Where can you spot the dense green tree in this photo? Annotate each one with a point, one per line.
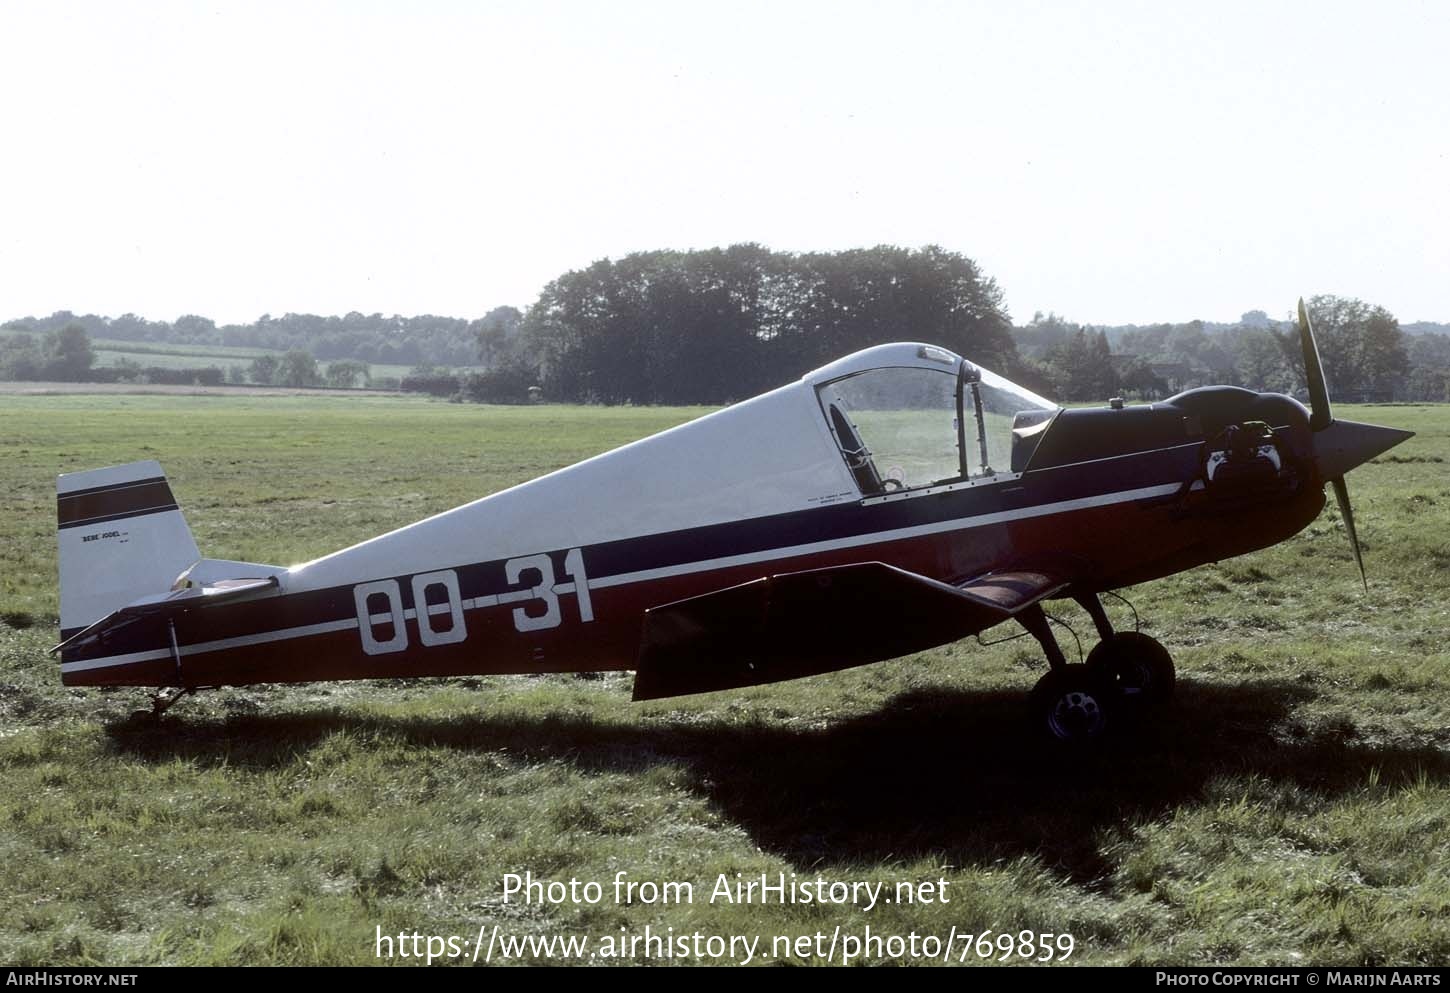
(1430, 383)
(865, 297)
(297, 368)
(193, 329)
(348, 374)
(711, 326)
(1259, 360)
(1430, 350)
(263, 370)
(1082, 367)
(20, 357)
(429, 379)
(498, 335)
(1044, 332)
(701, 324)
(1360, 345)
(68, 354)
(64, 354)
(1192, 345)
(1138, 378)
(1429, 377)
(652, 327)
(508, 382)
(1384, 360)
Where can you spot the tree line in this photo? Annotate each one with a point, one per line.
(677, 327)
(721, 324)
(1365, 354)
(68, 355)
(426, 340)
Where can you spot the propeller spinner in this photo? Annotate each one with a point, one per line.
(1339, 446)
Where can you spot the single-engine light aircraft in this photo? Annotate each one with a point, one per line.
(897, 499)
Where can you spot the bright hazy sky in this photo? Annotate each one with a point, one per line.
(1113, 162)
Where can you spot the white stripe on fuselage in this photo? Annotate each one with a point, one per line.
(877, 537)
(286, 634)
(665, 572)
(114, 660)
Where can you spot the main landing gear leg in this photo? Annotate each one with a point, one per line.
(163, 699)
(1072, 703)
(1138, 665)
(1094, 607)
(1034, 619)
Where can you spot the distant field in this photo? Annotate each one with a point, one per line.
(109, 353)
(1291, 807)
(214, 352)
(27, 387)
(113, 351)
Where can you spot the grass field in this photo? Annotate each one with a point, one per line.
(1291, 806)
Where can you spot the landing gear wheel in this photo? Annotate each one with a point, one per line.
(1138, 665)
(1073, 704)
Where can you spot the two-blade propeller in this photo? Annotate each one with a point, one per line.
(1339, 445)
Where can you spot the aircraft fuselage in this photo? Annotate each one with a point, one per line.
(1119, 494)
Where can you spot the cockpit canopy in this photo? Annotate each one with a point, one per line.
(911, 416)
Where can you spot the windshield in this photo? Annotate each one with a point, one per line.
(1012, 420)
(897, 426)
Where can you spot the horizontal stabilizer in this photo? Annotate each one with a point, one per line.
(168, 603)
(803, 623)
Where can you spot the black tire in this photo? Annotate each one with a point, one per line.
(1073, 705)
(1138, 665)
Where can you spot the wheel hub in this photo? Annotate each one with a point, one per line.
(1077, 715)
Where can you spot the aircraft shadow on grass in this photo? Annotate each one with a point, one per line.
(944, 775)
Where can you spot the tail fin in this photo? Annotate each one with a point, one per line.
(121, 537)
